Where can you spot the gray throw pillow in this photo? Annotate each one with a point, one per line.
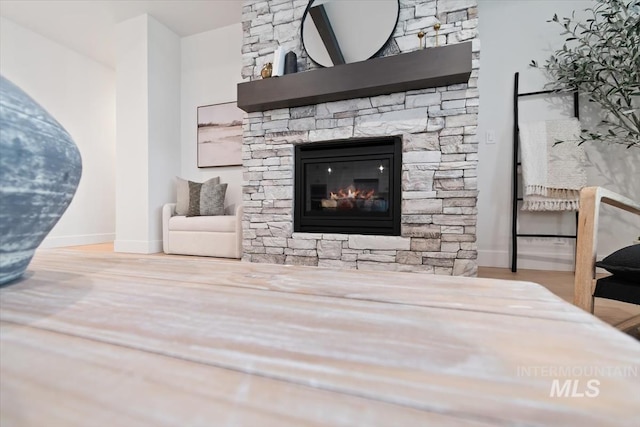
(182, 194)
(206, 199)
(212, 199)
(194, 198)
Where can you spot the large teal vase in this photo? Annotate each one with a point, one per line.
(40, 168)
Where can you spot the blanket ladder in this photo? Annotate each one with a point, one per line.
(515, 175)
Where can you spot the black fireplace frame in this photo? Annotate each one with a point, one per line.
(376, 148)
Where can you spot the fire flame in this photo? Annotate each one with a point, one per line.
(352, 193)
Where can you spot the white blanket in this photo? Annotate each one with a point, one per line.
(552, 174)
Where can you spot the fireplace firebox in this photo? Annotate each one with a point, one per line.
(348, 186)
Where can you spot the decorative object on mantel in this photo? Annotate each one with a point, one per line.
(338, 32)
(266, 71)
(421, 37)
(291, 63)
(420, 69)
(40, 168)
(436, 27)
(278, 62)
(219, 135)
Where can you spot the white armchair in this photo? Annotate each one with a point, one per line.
(215, 236)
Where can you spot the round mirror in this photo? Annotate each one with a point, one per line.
(342, 31)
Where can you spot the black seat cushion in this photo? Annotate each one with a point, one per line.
(613, 287)
(624, 264)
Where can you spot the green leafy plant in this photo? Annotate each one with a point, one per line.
(601, 58)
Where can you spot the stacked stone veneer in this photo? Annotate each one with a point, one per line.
(439, 159)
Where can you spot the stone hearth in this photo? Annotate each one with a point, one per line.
(439, 144)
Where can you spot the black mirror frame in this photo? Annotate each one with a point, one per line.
(306, 12)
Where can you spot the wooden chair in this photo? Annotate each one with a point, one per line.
(587, 240)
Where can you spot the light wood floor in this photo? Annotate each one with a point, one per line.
(558, 282)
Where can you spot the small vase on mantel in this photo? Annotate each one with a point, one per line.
(40, 168)
(266, 71)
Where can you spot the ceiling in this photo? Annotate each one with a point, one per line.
(88, 26)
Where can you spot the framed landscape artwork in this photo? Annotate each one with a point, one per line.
(219, 135)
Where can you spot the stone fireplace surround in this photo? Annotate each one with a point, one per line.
(439, 159)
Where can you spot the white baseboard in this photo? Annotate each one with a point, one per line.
(528, 260)
(138, 246)
(77, 240)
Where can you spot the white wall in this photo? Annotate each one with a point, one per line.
(164, 122)
(148, 145)
(512, 34)
(211, 65)
(80, 93)
(132, 178)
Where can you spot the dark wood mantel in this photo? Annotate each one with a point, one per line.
(433, 67)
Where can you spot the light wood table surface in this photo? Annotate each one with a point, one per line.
(99, 339)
